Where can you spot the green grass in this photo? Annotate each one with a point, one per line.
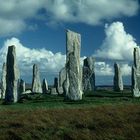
(90, 99)
(104, 115)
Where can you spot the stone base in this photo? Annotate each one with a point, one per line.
(60, 90)
(53, 91)
(136, 92)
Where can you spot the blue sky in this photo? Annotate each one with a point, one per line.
(37, 28)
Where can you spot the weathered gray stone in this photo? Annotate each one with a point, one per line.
(45, 86)
(73, 82)
(135, 89)
(118, 82)
(0, 94)
(136, 59)
(56, 82)
(27, 92)
(60, 90)
(62, 78)
(53, 91)
(3, 81)
(36, 84)
(136, 74)
(89, 74)
(21, 86)
(12, 76)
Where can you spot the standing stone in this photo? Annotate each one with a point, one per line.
(21, 86)
(56, 83)
(118, 82)
(73, 82)
(36, 84)
(12, 76)
(89, 74)
(136, 74)
(62, 78)
(0, 94)
(135, 89)
(45, 86)
(136, 59)
(3, 81)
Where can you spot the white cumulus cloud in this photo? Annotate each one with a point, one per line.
(118, 44)
(107, 69)
(50, 63)
(125, 69)
(47, 61)
(103, 69)
(14, 14)
(90, 11)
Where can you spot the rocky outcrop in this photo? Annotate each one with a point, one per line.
(3, 81)
(136, 74)
(36, 83)
(118, 82)
(89, 74)
(45, 86)
(12, 76)
(73, 82)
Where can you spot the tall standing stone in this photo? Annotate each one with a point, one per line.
(12, 76)
(22, 86)
(62, 78)
(73, 82)
(89, 74)
(118, 82)
(56, 82)
(136, 74)
(36, 83)
(45, 86)
(3, 81)
(136, 59)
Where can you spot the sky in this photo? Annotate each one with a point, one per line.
(109, 30)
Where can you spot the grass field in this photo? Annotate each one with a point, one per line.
(104, 115)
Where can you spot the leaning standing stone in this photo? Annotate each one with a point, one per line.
(36, 84)
(118, 83)
(73, 82)
(12, 76)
